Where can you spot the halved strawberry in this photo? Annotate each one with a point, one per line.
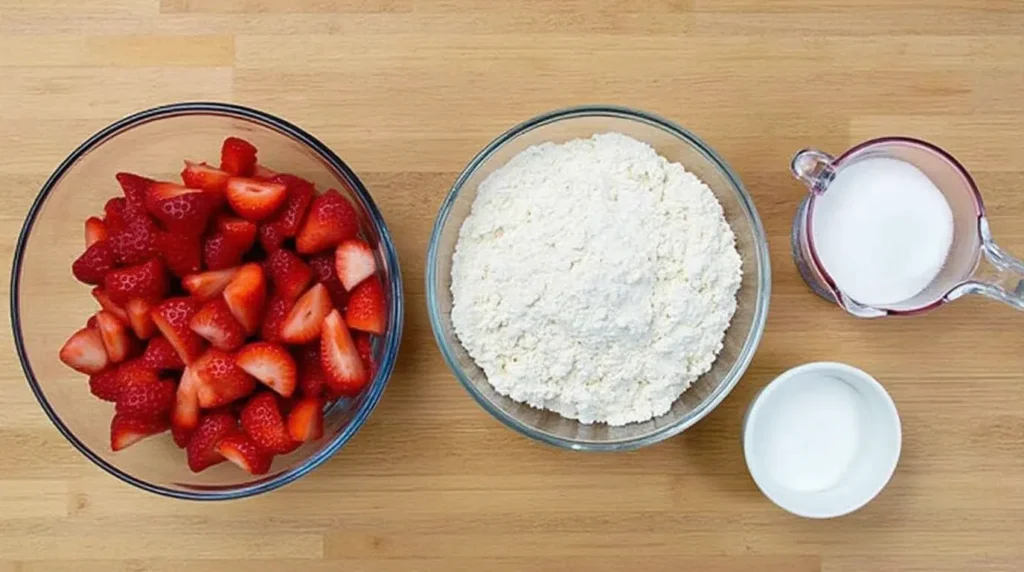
(146, 400)
(237, 156)
(111, 382)
(312, 379)
(203, 176)
(134, 187)
(95, 231)
(147, 281)
(185, 413)
(91, 322)
(219, 381)
(215, 323)
(139, 318)
(173, 317)
(202, 446)
(94, 264)
(255, 199)
(263, 172)
(208, 285)
(302, 325)
(306, 419)
(343, 368)
(113, 215)
(289, 274)
(245, 296)
(324, 268)
(271, 364)
(354, 262)
(271, 237)
(182, 252)
(136, 241)
(114, 333)
(108, 304)
(181, 209)
(261, 419)
(84, 352)
(161, 355)
(238, 448)
(127, 430)
(277, 311)
(288, 220)
(331, 219)
(367, 310)
(228, 242)
(365, 348)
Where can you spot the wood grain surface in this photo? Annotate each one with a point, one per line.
(407, 91)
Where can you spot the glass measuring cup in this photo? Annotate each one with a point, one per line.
(975, 263)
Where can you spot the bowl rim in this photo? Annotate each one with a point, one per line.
(391, 339)
(763, 285)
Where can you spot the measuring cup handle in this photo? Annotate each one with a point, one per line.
(999, 277)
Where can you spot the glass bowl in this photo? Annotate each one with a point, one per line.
(741, 339)
(48, 304)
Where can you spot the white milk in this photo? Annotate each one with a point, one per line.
(882, 230)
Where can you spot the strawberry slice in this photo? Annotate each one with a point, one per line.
(161, 355)
(238, 448)
(111, 382)
(105, 384)
(331, 219)
(365, 348)
(271, 364)
(173, 317)
(182, 252)
(263, 172)
(94, 264)
(202, 446)
(289, 274)
(367, 310)
(147, 281)
(115, 336)
(107, 304)
(95, 231)
(288, 220)
(139, 318)
(136, 241)
(237, 157)
(245, 296)
(277, 311)
(215, 323)
(255, 199)
(206, 286)
(312, 379)
(185, 413)
(343, 368)
(302, 325)
(181, 209)
(218, 380)
(134, 187)
(325, 271)
(84, 351)
(262, 421)
(113, 215)
(306, 419)
(203, 176)
(126, 430)
(146, 400)
(271, 237)
(228, 242)
(354, 262)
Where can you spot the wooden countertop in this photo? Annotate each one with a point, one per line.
(407, 91)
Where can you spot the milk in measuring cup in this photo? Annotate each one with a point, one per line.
(882, 231)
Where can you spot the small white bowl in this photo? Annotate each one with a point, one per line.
(864, 422)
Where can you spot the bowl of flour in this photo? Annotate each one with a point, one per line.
(598, 279)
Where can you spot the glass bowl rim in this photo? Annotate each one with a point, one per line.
(763, 285)
(288, 129)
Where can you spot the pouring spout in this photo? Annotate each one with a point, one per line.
(813, 168)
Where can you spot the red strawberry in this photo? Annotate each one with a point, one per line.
(146, 400)
(300, 195)
(147, 281)
(277, 311)
(181, 209)
(354, 262)
(203, 176)
(134, 187)
(261, 419)
(263, 172)
(173, 317)
(161, 355)
(326, 273)
(366, 309)
(126, 430)
(84, 352)
(228, 242)
(208, 285)
(365, 348)
(312, 379)
(271, 364)
(91, 322)
(331, 219)
(339, 358)
(245, 295)
(136, 242)
(237, 156)
(113, 215)
(218, 380)
(94, 263)
(115, 336)
(302, 325)
(181, 252)
(181, 435)
(111, 382)
(271, 237)
(289, 274)
(306, 420)
(202, 446)
(238, 448)
(105, 384)
(185, 413)
(107, 304)
(215, 323)
(95, 231)
(139, 318)
(255, 199)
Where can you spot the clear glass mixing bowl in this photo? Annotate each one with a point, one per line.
(741, 339)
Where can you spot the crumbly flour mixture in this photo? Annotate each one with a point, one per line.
(594, 279)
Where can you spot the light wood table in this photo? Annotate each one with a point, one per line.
(407, 91)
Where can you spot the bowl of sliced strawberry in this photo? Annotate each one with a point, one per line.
(232, 314)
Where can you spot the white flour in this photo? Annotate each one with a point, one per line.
(594, 279)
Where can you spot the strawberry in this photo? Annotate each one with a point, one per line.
(91, 322)
(238, 448)
(139, 318)
(114, 333)
(326, 273)
(203, 176)
(245, 295)
(134, 187)
(181, 209)
(345, 374)
(172, 317)
(302, 324)
(185, 412)
(271, 364)
(306, 420)
(111, 382)
(354, 262)
(289, 219)
(146, 400)
(255, 199)
(218, 380)
(289, 274)
(205, 286)
(95, 231)
(312, 379)
(262, 421)
(202, 446)
(237, 157)
(271, 237)
(228, 242)
(105, 384)
(113, 215)
(182, 253)
(215, 323)
(136, 241)
(84, 352)
(331, 219)
(107, 304)
(277, 311)
(161, 355)
(147, 281)
(94, 264)
(263, 172)
(367, 310)
(126, 430)
(365, 348)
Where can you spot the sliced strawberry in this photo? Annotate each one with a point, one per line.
(306, 419)
(312, 378)
(173, 317)
(339, 358)
(277, 311)
(182, 252)
(238, 448)
(202, 446)
(271, 237)
(105, 384)
(208, 285)
(84, 352)
(261, 419)
(228, 242)
(161, 355)
(215, 323)
(126, 430)
(203, 176)
(91, 322)
(237, 156)
(134, 187)
(326, 273)
(218, 380)
(245, 296)
(365, 348)
(139, 318)
(95, 231)
(271, 364)
(136, 241)
(181, 209)
(289, 274)
(147, 281)
(94, 264)
(263, 172)
(108, 304)
(302, 325)
(116, 338)
(331, 219)
(354, 262)
(367, 310)
(255, 199)
(185, 413)
(113, 215)
(111, 382)
(300, 194)
(146, 400)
